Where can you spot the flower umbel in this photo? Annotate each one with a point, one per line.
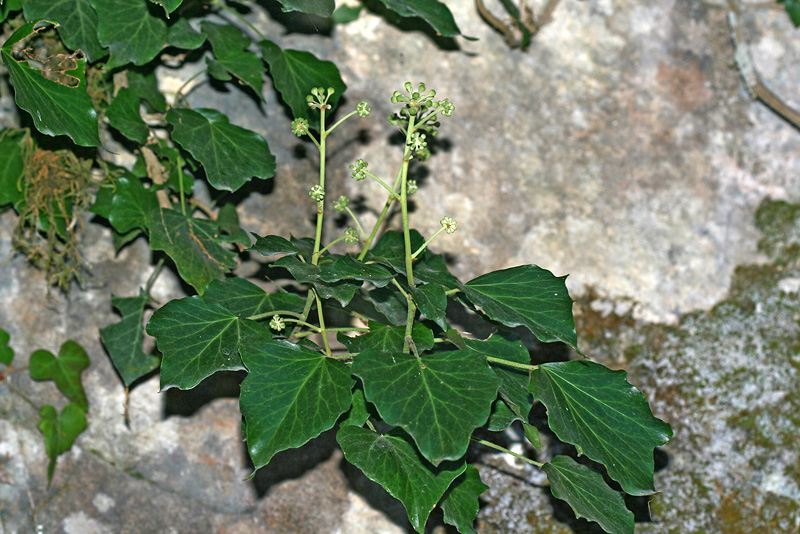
(449, 224)
(359, 169)
(351, 236)
(341, 203)
(418, 141)
(411, 187)
(317, 193)
(277, 323)
(363, 109)
(300, 127)
(318, 99)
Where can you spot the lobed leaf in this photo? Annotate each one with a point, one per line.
(123, 340)
(60, 431)
(438, 398)
(460, 503)
(228, 221)
(231, 155)
(272, 245)
(290, 395)
(245, 299)
(56, 108)
(197, 338)
(130, 31)
(123, 115)
(145, 85)
(385, 338)
(432, 302)
(11, 166)
(586, 492)
(359, 413)
(348, 268)
(229, 45)
(392, 461)
(193, 244)
(168, 5)
(526, 296)
(605, 417)
(65, 370)
(295, 73)
(77, 23)
(435, 13)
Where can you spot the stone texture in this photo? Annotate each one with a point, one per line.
(620, 148)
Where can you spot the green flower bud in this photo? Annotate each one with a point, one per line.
(418, 141)
(341, 203)
(363, 109)
(358, 169)
(351, 236)
(411, 187)
(300, 127)
(277, 323)
(317, 193)
(449, 224)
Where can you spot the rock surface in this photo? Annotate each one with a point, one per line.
(621, 148)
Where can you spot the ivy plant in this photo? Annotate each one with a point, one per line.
(359, 339)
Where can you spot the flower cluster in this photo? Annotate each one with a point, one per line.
(351, 236)
(317, 193)
(415, 100)
(300, 127)
(447, 106)
(363, 109)
(318, 99)
(341, 203)
(411, 187)
(277, 323)
(359, 169)
(418, 141)
(449, 224)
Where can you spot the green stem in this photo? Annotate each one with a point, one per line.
(451, 292)
(180, 185)
(381, 217)
(321, 252)
(264, 315)
(426, 243)
(512, 364)
(306, 311)
(340, 121)
(503, 449)
(321, 204)
(322, 325)
(179, 93)
(361, 231)
(151, 280)
(391, 190)
(404, 203)
(244, 21)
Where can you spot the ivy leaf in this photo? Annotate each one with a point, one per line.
(290, 395)
(145, 85)
(385, 338)
(60, 431)
(182, 35)
(56, 108)
(198, 338)
(347, 268)
(529, 296)
(228, 221)
(295, 73)
(11, 166)
(77, 23)
(9, 6)
(384, 304)
(605, 417)
(345, 14)
(123, 340)
(393, 462)
(123, 114)
(431, 269)
(342, 292)
(586, 492)
(229, 44)
(359, 413)
(432, 301)
(6, 352)
(245, 299)
(65, 370)
(168, 5)
(272, 245)
(132, 205)
(513, 381)
(323, 8)
(793, 10)
(231, 155)
(130, 31)
(460, 502)
(435, 13)
(438, 398)
(193, 244)
(390, 249)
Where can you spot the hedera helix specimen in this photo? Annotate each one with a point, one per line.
(403, 369)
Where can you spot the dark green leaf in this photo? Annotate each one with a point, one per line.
(230, 155)
(11, 166)
(513, 381)
(435, 13)
(432, 302)
(182, 35)
(385, 338)
(77, 23)
(307, 273)
(173, 163)
(123, 340)
(390, 249)
(384, 305)
(271, 245)
(168, 5)
(123, 114)
(345, 14)
(295, 73)
(132, 206)
(432, 269)
(586, 492)
(198, 338)
(130, 31)
(359, 413)
(529, 296)
(290, 395)
(6, 352)
(340, 291)
(60, 431)
(228, 222)
(245, 299)
(393, 462)
(9, 6)
(323, 8)
(500, 417)
(56, 108)
(605, 417)
(347, 268)
(301, 271)
(145, 85)
(193, 244)
(229, 45)
(304, 244)
(438, 398)
(65, 370)
(793, 10)
(460, 502)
